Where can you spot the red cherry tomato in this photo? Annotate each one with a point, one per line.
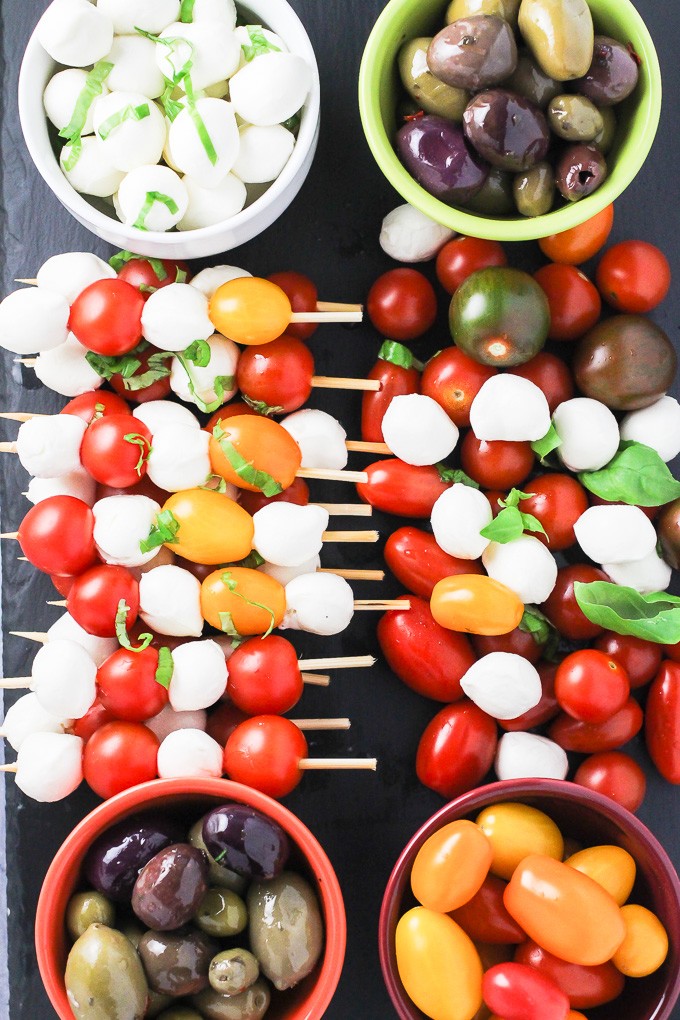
(402, 489)
(115, 450)
(223, 720)
(157, 273)
(585, 987)
(96, 595)
(128, 687)
(456, 749)
(649, 511)
(563, 610)
(62, 582)
(551, 375)
(95, 717)
(454, 380)
(297, 492)
(56, 535)
(419, 563)
(402, 304)
(157, 390)
(265, 752)
(588, 738)
(640, 659)
(517, 642)
(518, 992)
(485, 918)
(616, 775)
(662, 721)
(397, 377)
(498, 462)
(463, 256)
(546, 709)
(302, 294)
(120, 755)
(264, 676)
(95, 403)
(591, 686)
(633, 276)
(106, 317)
(276, 377)
(557, 501)
(494, 497)
(574, 300)
(580, 243)
(429, 658)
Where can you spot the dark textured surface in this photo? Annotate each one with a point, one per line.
(330, 232)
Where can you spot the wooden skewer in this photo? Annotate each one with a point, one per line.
(315, 679)
(21, 415)
(354, 575)
(10, 534)
(358, 446)
(347, 509)
(33, 283)
(8, 447)
(338, 763)
(350, 536)
(326, 316)
(28, 362)
(31, 635)
(322, 724)
(333, 475)
(329, 382)
(337, 306)
(60, 604)
(15, 683)
(379, 604)
(339, 662)
(12, 767)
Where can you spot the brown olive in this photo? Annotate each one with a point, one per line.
(170, 887)
(473, 53)
(534, 190)
(506, 130)
(612, 75)
(579, 171)
(668, 528)
(176, 963)
(574, 118)
(531, 81)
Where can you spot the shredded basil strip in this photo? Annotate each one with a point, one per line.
(231, 583)
(261, 407)
(198, 122)
(186, 13)
(227, 626)
(166, 667)
(214, 483)
(141, 442)
(654, 617)
(125, 365)
(140, 112)
(172, 107)
(636, 474)
(252, 561)
(541, 629)
(76, 146)
(396, 354)
(549, 442)
(89, 92)
(172, 43)
(293, 123)
(245, 469)
(163, 532)
(180, 275)
(259, 43)
(454, 475)
(151, 198)
(198, 353)
(121, 630)
(123, 257)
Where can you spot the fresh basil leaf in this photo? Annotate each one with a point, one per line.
(245, 469)
(129, 112)
(151, 198)
(166, 667)
(172, 107)
(89, 92)
(125, 365)
(180, 275)
(396, 354)
(454, 475)
(261, 407)
(546, 445)
(121, 630)
(293, 123)
(252, 561)
(515, 496)
(186, 11)
(198, 353)
(534, 622)
(259, 43)
(230, 581)
(214, 483)
(122, 258)
(227, 625)
(174, 45)
(163, 532)
(635, 475)
(144, 449)
(506, 527)
(654, 617)
(156, 369)
(201, 130)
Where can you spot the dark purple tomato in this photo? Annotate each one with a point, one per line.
(506, 130)
(246, 841)
(436, 153)
(115, 859)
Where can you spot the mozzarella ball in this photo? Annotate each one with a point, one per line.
(263, 153)
(615, 534)
(187, 146)
(134, 66)
(250, 39)
(50, 765)
(319, 604)
(288, 534)
(120, 524)
(647, 575)
(70, 273)
(175, 316)
(61, 96)
(75, 33)
(524, 565)
(202, 386)
(142, 182)
(511, 408)
(199, 676)
(77, 483)
(285, 574)
(63, 677)
(215, 10)
(589, 434)
(49, 446)
(97, 648)
(657, 426)
(27, 716)
(92, 173)
(66, 370)
(418, 430)
(179, 458)
(458, 516)
(33, 320)
(160, 414)
(271, 88)
(149, 15)
(408, 235)
(208, 280)
(170, 601)
(133, 141)
(168, 721)
(321, 438)
(213, 48)
(189, 753)
(503, 685)
(208, 206)
(528, 756)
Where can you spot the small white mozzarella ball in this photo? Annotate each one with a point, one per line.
(524, 565)
(408, 235)
(27, 716)
(33, 320)
(168, 721)
(286, 574)
(188, 150)
(70, 273)
(92, 174)
(199, 676)
(149, 15)
(250, 40)
(458, 516)
(511, 408)
(589, 434)
(66, 370)
(657, 426)
(208, 206)
(97, 648)
(49, 446)
(321, 438)
(208, 280)
(224, 355)
(50, 765)
(503, 685)
(160, 414)
(189, 754)
(271, 89)
(319, 604)
(132, 142)
(527, 756)
(211, 45)
(120, 524)
(75, 33)
(418, 430)
(63, 677)
(263, 153)
(179, 458)
(170, 601)
(134, 66)
(615, 534)
(288, 534)
(139, 184)
(61, 96)
(647, 575)
(215, 10)
(175, 316)
(76, 483)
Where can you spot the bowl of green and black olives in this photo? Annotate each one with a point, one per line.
(190, 900)
(510, 119)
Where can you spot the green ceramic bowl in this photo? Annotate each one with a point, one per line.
(379, 88)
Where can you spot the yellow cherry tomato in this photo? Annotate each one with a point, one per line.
(254, 453)
(612, 867)
(250, 310)
(645, 946)
(241, 601)
(515, 831)
(212, 527)
(565, 911)
(451, 866)
(438, 965)
(475, 604)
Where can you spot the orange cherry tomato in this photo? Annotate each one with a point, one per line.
(516, 830)
(212, 527)
(566, 912)
(250, 310)
(580, 243)
(612, 867)
(242, 600)
(263, 445)
(476, 604)
(451, 866)
(645, 946)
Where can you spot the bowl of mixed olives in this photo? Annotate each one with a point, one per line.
(190, 900)
(510, 119)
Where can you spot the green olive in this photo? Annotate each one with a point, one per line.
(133, 932)
(530, 81)
(574, 118)
(429, 94)
(506, 9)
(222, 913)
(604, 139)
(559, 34)
(104, 977)
(157, 1003)
(180, 1013)
(249, 1005)
(495, 196)
(285, 928)
(86, 908)
(217, 875)
(232, 971)
(534, 190)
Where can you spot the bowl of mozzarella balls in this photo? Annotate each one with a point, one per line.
(175, 128)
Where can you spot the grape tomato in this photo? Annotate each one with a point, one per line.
(485, 918)
(616, 775)
(610, 866)
(277, 377)
(95, 404)
(519, 992)
(515, 831)
(456, 749)
(419, 563)
(585, 987)
(453, 379)
(115, 450)
(302, 294)
(398, 377)
(451, 866)
(580, 243)
(402, 489)
(119, 755)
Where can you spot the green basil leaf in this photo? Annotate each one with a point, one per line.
(230, 581)
(635, 475)
(199, 124)
(89, 92)
(514, 497)
(166, 667)
(454, 475)
(541, 629)
(396, 354)
(261, 407)
(163, 531)
(214, 483)
(252, 561)
(174, 45)
(198, 353)
(172, 107)
(506, 527)
(186, 11)
(144, 449)
(259, 43)
(140, 112)
(151, 198)
(245, 469)
(549, 443)
(180, 275)
(76, 148)
(155, 370)
(121, 630)
(654, 617)
(293, 123)
(227, 625)
(125, 365)
(122, 258)
(531, 523)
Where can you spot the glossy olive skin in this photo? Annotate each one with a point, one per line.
(534, 190)
(473, 53)
(626, 361)
(285, 928)
(170, 887)
(249, 1005)
(104, 977)
(436, 153)
(180, 1013)
(232, 971)
(506, 130)
(157, 1004)
(176, 963)
(559, 34)
(428, 93)
(506, 9)
(579, 171)
(217, 875)
(668, 528)
(246, 841)
(574, 118)
(115, 859)
(86, 908)
(221, 913)
(612, 75)
(604, 139)
(531, 81)
(494, 198)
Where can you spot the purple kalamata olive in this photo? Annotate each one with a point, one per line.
(579, 171)
(506, 130)
(115, 859)
(473, 53)
(437, 154)
(246, 841)
(612, 75)
(177, 963)
(169, 889)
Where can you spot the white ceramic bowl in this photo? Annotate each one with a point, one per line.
(36, 70)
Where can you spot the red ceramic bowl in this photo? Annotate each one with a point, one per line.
(591, 819)
(190, 798)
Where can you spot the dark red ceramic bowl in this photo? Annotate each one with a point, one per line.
(591, 819)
